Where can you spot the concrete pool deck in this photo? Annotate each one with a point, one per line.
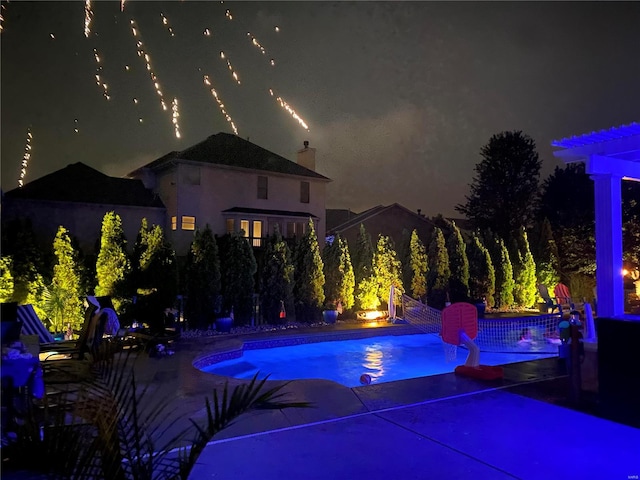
(438, 427)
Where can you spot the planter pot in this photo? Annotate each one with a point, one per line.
(224, 324)
(330, 316)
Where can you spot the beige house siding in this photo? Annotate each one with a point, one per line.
(204, 191)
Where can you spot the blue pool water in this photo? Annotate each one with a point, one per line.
(384, 359)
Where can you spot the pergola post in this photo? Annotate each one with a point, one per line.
(608, 209)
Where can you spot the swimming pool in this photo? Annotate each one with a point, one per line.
(384, 359)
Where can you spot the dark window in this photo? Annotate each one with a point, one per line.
(304, 192)
(263, 187)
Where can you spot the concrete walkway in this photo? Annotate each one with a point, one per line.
(439, 427)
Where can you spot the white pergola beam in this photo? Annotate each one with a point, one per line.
(600, 165)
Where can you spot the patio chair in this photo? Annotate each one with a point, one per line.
(563, 297)
(32, 325)
(551, 305)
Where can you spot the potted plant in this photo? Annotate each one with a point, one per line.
(330, 312)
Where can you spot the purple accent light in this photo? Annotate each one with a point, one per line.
(605, 135)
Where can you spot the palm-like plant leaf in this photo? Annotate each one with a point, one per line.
(104, 426)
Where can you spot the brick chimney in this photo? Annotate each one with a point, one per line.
(307, 157)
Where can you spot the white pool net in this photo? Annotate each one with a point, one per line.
(525, 334)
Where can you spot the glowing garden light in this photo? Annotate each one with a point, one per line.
(25, 158)
(88, 16)
(290, 110)
(233, 73)
(227, 117)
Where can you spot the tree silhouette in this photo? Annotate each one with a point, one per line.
(504, 190)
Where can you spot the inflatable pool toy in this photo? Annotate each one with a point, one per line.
(460, 326)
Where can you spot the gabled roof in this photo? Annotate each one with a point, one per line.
(337, 216)
(231, 150)
(80, 183)
(372, 212)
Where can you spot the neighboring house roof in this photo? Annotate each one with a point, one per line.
(377, 210)
(335, 216)
(82, 184)
(231, 150)
(262, 211)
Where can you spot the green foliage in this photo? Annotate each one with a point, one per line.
(366, 289)
(482, 277)
(567, 200)
(65, 306)
(387, 269)
(524, 271)
(367, 293)
(277, 279)
(309, 281)
(113, 265)
(29, 259)
(154, 273)
(112, 427)
(439, 272)
(6, 280)
(505, 187)
(418, 265)
(237, 268)
(362, 255)
(202, 278)
(631, 224)
(338, 273)
(459, 265)
(503, 270)
(404, 254)
(545, 254)
(37, 292)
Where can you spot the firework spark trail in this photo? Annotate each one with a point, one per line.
(291, 111)
(175, 115)
(99, 81)
(233, 73)
(154, 78)
(165, 22)
(122, 5)
(2, 7)
(88, 16)
(255, 42)
(207, 82)
(25, 158)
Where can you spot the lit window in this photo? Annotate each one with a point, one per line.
(263, 187)
(244, 226)
(304, 192)
(231, 224)
(174, 223)
(188, 223)
(257, 233)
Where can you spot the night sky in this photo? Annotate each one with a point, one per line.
(399, 97)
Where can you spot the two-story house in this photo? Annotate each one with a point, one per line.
(234, 185)
(224, 181)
